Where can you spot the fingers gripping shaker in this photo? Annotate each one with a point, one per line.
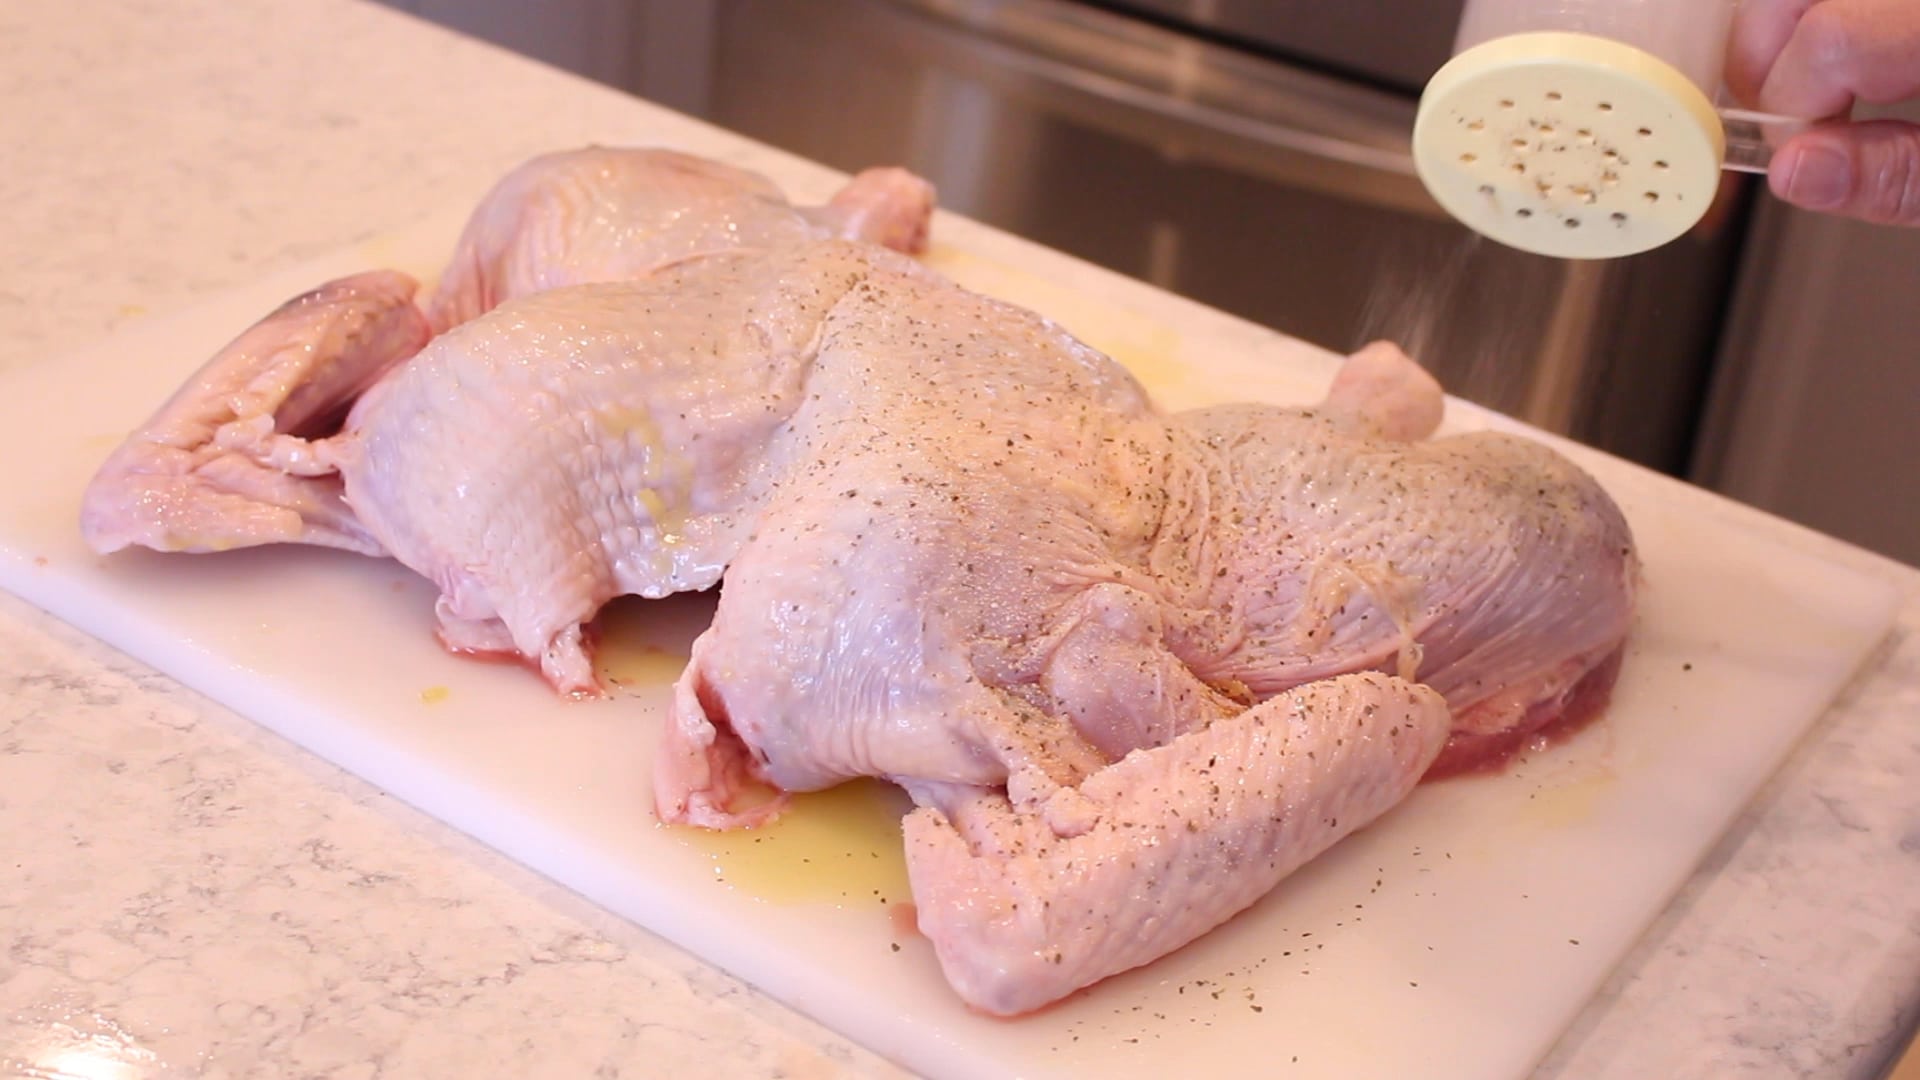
(1585, 129)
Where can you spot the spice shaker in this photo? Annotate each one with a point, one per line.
(1586, 129)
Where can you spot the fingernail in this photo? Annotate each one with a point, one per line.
(1820, 178)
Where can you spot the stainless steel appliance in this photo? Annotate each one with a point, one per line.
(1395, 44)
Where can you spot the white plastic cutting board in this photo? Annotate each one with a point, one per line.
(1456, 937)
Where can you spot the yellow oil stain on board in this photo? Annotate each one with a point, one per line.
(642, 643)
(1569, 800)
(840, 846)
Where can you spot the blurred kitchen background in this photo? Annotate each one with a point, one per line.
(1252, 154)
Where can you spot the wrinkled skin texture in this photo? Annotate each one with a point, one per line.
(997, 575)
(233, 459)
(598, 214)
(984, 565)
(613, 439)
(1026, 901)
(225, 462)
(962, 550)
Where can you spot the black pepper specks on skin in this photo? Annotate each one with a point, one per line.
(1261, 508)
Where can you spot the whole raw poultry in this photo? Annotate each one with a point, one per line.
(1134, 668)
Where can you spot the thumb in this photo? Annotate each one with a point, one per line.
(1869, 171)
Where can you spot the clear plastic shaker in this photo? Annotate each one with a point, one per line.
(1586, 128)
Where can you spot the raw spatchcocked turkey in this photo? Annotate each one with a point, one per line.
(1134, 667)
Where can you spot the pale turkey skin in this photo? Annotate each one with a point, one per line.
(596, 214)
(997, 576)
(612, 439)
(232, 459)
(888, 616)
(985, 564)
(961, 550)
(1028, 900)
(1481, 549)
(224, 463)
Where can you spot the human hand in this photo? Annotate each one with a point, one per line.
(1817, 58)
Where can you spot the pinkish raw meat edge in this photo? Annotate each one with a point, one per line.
(1133, 667)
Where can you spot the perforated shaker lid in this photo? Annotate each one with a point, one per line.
(1568, 145)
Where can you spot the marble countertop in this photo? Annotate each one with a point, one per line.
(182, 893)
